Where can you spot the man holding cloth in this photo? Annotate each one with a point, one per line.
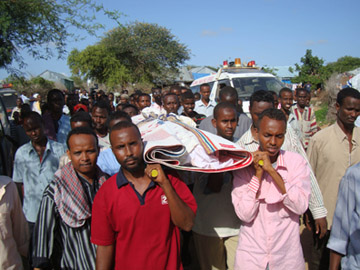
(269, 197)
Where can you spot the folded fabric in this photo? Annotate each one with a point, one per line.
(172, 143)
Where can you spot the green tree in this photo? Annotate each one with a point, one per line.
(135, 53)
(343, 64)
(41, 27)
(97, 63)
(310, 70)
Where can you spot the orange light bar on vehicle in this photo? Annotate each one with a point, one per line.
(237, 62)
(251, 64)
(225, 64)
(7, 85)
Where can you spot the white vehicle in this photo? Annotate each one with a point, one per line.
(246, 80)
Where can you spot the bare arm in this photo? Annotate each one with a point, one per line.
(181, 214)
(335, 259)
(105, 257)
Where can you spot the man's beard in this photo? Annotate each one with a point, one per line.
(135, 168)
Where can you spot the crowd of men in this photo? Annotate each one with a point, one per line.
(82, 197)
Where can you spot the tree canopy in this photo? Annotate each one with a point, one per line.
(313, 70)
(343, 64)
(41, 27)
(138, 52)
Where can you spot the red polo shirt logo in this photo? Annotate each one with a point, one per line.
(163, 200)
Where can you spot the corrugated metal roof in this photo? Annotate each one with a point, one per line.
(184, 75)
(57, 74)
(202, 70)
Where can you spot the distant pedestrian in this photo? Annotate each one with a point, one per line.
(100, 114)
(205, 105)
(305, 116)
(57, 124)
(188, 104)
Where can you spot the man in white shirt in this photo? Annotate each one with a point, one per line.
(205, 105)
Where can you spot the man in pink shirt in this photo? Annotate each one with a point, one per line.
(268, 198)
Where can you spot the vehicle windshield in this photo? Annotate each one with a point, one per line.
(246, 86)
(9, 100)
(196, 89)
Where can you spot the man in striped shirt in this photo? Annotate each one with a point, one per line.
(305, 116)
(61, 237)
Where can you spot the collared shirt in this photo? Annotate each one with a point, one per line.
(215, 215)
(121, 181)
(62, 125)
(293, 122)
(357, 122)
(139, 226)
(64, 129)
(104, 142)
(14, 229)
(108, 162)
(56, 244)
(307, 123)
(292, 143)
(270, 221)
(201, 108)
(329, 157)
(197, 118)
(35, 175)
(243, 124)
(345, 231)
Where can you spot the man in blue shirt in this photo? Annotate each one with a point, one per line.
(344, 241)
(107, 161)
(35, 165)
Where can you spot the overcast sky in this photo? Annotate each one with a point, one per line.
(271, 32)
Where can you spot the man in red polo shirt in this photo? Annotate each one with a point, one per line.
(137, 212)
